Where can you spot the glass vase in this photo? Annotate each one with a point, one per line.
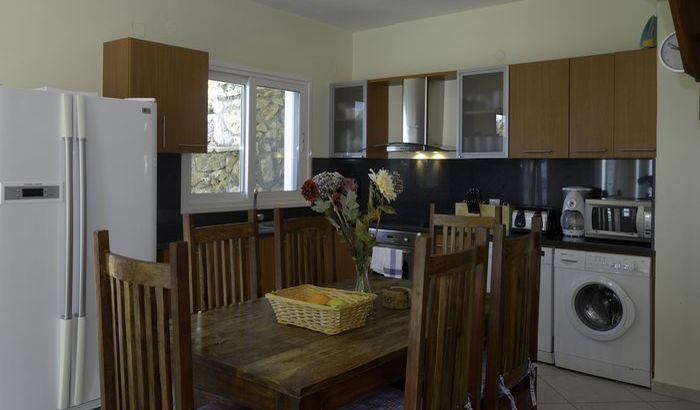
(362, 275)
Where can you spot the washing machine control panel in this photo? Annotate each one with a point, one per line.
(611, 263)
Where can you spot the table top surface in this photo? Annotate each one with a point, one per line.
(294, 360)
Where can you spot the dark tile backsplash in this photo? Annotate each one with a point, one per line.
(444, 182)
(519, 182)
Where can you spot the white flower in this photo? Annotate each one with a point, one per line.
(384, 183)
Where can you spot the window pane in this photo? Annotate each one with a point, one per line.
(277, 139)
(219, 171)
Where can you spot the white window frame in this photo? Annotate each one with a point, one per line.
(222, 202)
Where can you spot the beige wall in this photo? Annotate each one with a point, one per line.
(59, 43)
(677, 226)
(527, 30)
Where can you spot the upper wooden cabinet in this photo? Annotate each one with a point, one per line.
(601, 106)
(592, 101)
(176, 77)
(635, 103)
(348, 125)
(539, 110)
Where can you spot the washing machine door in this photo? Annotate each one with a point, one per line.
(600, 309)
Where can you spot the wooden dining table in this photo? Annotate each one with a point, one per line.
(242, 356)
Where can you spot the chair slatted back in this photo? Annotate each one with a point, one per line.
(514, 309)
(456, 232)
(224, 267)
(304, 250)
(443, 369)
(144, 330)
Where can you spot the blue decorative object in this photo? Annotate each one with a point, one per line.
(648, 38)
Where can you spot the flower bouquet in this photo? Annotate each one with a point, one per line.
(336, 197)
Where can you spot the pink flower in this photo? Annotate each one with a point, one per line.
(349, 185)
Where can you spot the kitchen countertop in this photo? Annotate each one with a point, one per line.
(553, 240)
(599, 245)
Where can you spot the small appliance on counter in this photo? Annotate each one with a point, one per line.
(573, 213)
(521, 218)
(622, 219)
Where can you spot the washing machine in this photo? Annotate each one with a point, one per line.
(602, 315)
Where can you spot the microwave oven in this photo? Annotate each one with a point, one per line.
(624, 219)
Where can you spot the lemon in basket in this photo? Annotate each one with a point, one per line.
(318, 298)
(335, 302)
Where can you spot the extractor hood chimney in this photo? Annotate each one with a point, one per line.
(415, 114)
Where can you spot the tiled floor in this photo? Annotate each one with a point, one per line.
(559, 389)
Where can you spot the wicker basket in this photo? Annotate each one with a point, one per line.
(291, 309)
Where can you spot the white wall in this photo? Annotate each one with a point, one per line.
(677, 230)
(527, 30)
(59, 43)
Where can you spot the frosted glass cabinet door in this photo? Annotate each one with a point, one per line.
(348, 115)
(483, 113)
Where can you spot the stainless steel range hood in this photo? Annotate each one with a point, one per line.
(417, 92)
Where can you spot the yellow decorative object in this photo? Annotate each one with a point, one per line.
(292, 306)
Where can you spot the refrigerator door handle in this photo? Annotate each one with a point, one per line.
(82, 249)
(65, 321)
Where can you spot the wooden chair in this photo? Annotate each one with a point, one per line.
(224, 267)
(446, 345)
(304, 250)
(143, 318)
(456, 232)
(445, 351)
(512, 333)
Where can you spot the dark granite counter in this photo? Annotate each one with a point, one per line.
(599, 245)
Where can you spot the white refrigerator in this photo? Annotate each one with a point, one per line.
(49, 207)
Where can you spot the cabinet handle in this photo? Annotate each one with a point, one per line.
(591, 150)
(163, 142)
(537, 151)
(569, 260)
(193, 145)
(636, 149)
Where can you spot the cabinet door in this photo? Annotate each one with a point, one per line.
(635, 103)
(592, 82)
(483, 114)
(539, 110)
(348, 113)
(176, 77)
(151, 72)
(185, 128)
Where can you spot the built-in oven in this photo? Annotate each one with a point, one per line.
(401, 238)
(624, 219)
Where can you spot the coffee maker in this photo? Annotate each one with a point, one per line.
(572, 216)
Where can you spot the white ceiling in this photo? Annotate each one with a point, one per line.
(356, 15)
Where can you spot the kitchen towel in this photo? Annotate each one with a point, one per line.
(387, 261)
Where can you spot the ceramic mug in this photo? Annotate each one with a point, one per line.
(397, 297)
